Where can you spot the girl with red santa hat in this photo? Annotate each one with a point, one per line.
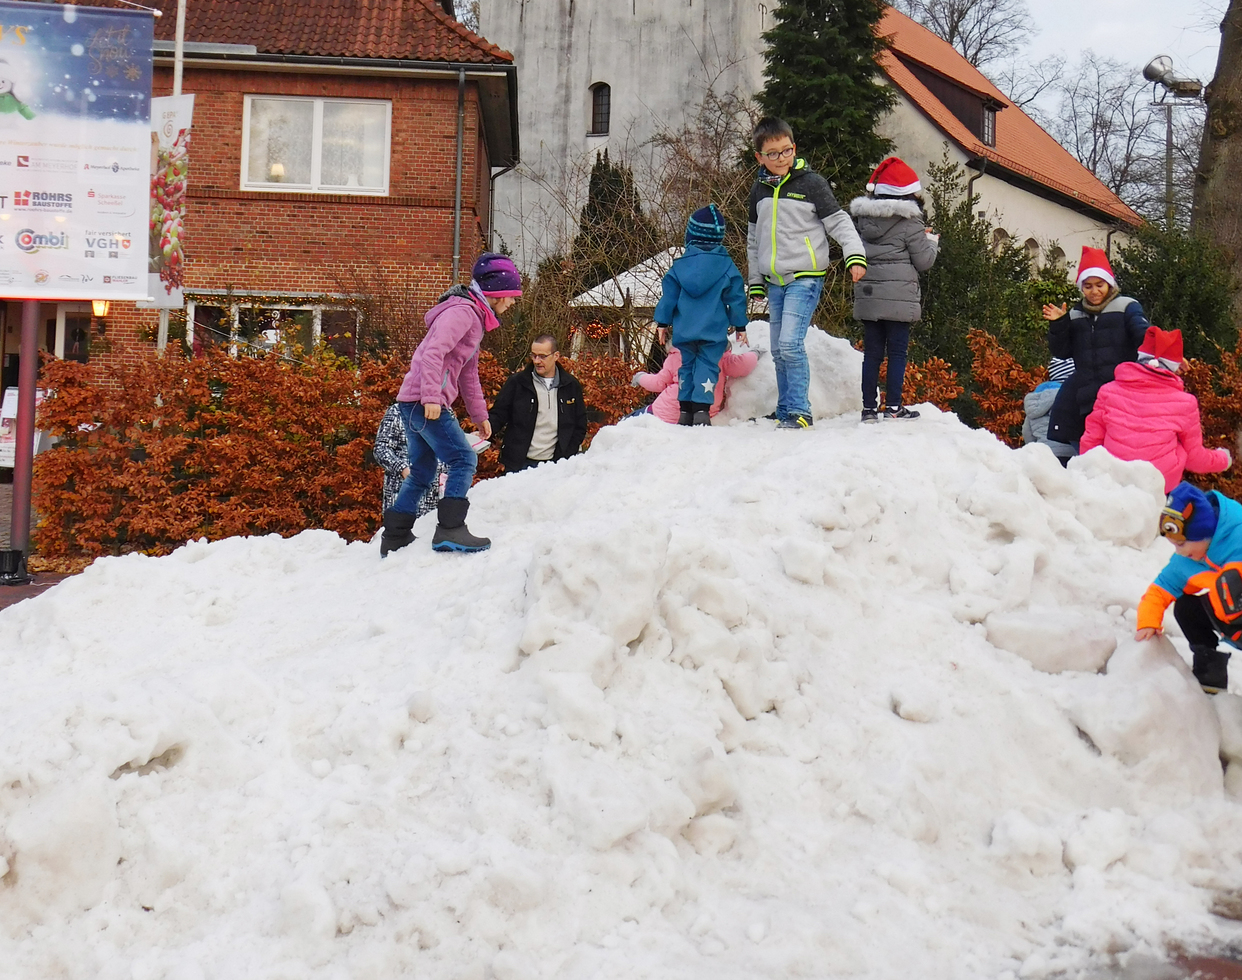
(1146, 413)
(1100, 331)
(887, 300)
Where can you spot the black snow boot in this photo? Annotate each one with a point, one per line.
(397, 533)
(701, 417)
(451, 532)
(1211, 668)
(687, 413)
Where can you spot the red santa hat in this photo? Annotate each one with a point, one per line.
(894, 178)
(1095, 263)
(1161, 348)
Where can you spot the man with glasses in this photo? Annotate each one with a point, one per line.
(539, 412)
(792, 215)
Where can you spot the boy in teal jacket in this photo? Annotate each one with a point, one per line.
(704, 298)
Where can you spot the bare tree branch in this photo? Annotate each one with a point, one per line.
(1025, 83)
(1107, 120)
(983, 31)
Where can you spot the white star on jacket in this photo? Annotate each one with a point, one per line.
(708, 387)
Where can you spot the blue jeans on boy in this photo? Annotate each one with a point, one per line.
(700, 366)
(790, 308)
(879, 335)
(429, 441)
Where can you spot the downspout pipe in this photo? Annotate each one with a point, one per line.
(461, 142)
(970, 184)
(491, 206)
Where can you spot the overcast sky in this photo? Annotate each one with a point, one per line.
(1132, 31)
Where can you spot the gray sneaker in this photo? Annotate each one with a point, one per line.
(796, 421)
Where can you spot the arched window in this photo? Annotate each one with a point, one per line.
(601, 108)
(1000, 238)
(1056, 258)
(1032, 250)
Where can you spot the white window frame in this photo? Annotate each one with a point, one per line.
(315, 187)
(62, 312)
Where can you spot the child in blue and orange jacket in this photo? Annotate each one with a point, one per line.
(1205, 530)
(704, 298)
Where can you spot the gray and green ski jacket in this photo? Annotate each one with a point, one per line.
(790, 221)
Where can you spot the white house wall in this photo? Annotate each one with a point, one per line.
(1021, 214)
(658, 56)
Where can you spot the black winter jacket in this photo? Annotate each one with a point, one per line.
(517, 408)
(1097, 342)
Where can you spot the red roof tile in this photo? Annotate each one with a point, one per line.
(418, 30)
(1022, 145)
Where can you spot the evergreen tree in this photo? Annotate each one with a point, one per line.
(613, 233)
(823, 79)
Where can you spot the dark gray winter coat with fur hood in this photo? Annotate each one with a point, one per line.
(893, 231)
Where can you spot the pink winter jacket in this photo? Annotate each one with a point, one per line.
(448, 357)
(1146, 414)
(666, 407)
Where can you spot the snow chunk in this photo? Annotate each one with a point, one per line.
(66, 843)
(1054, 640)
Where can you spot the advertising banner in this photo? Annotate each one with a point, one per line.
(75, 148)
(170, 170)
(8, 427)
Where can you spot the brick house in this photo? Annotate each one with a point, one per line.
(323, 166)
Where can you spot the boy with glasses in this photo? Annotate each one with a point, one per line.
(1202, 581)
(792, 215)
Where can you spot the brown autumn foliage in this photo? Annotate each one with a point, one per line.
(1219, 390)
(220, 446)
(1000, 385)
(934, 381)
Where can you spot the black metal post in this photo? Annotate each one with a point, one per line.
(1170, 208)
(13, 562)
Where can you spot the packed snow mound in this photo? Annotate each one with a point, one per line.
(739, 703)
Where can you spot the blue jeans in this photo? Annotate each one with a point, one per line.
(428, 442)
(894, 336)
(790, 308)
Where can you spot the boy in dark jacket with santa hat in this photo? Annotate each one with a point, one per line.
(704, 298)
(1101, 330)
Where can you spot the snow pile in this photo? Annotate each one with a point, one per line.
(716, 704)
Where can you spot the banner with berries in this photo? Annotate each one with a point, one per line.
(75, 149)
(170, 169)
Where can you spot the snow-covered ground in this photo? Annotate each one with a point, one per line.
(725, 704)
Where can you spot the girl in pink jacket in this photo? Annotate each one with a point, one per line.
(666, 407)
(1145, 413)
(447, 363)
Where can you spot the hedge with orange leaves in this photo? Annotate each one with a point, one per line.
(1219, 390)
(220, 446)
(1000, 385)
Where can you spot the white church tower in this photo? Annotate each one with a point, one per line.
(599, 74)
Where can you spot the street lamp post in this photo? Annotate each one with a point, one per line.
(1160, 73)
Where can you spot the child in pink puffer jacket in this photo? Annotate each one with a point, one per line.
(1145, 413)
(666, 407)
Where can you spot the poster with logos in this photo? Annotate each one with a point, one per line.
(8, 427)
(170, 171)
(75, 149)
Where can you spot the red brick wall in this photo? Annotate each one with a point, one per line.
(313, 243)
